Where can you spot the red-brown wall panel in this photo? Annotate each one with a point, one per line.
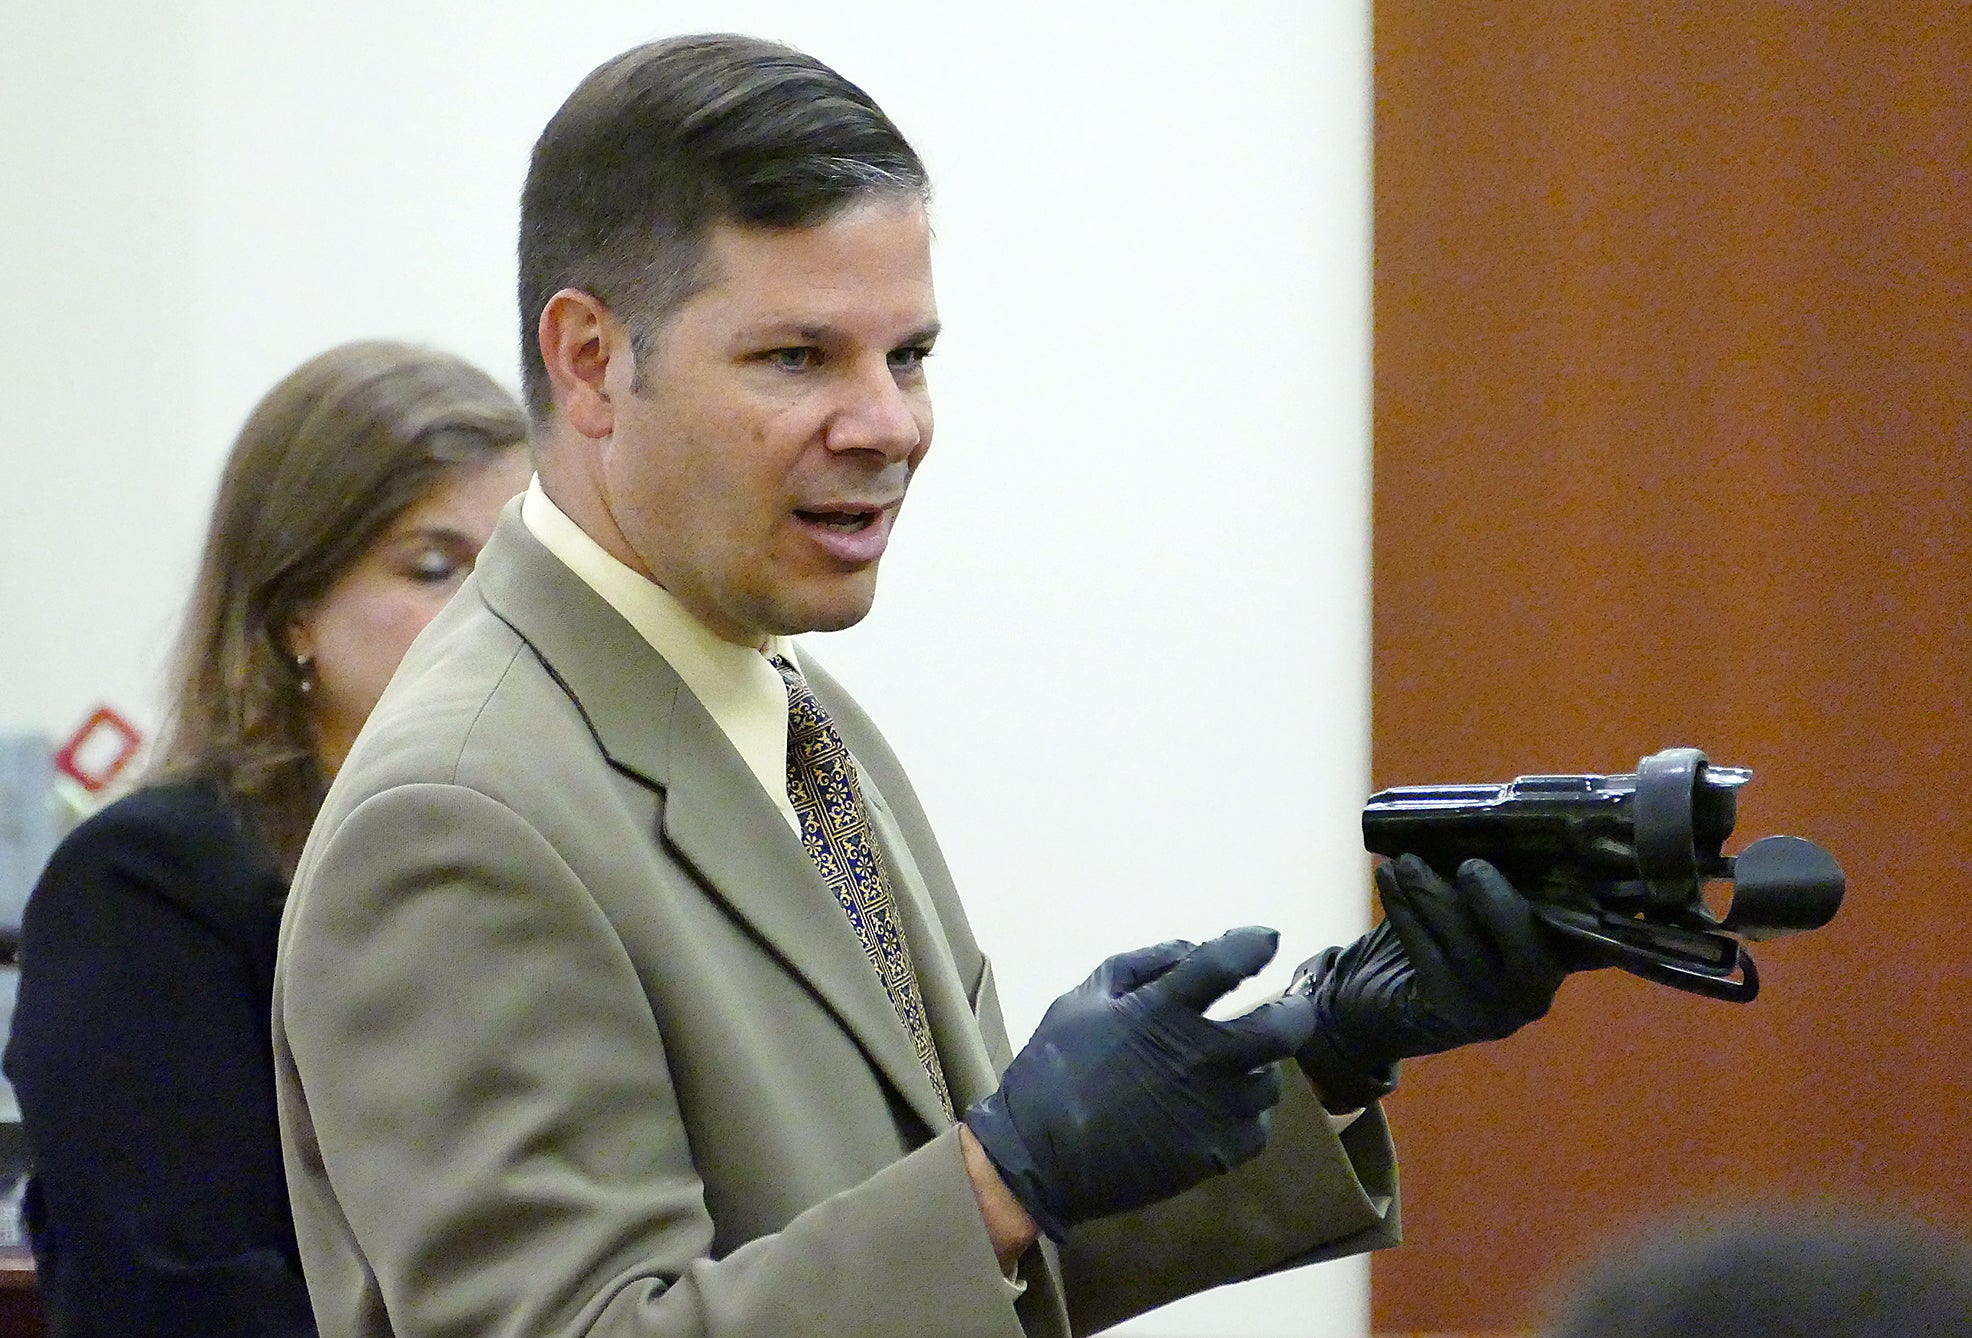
(1673, 382)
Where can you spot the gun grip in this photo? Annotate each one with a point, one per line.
(1691, 960)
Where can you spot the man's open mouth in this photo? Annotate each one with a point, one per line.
(847, 521)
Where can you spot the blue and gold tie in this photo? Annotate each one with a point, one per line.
(828, 802)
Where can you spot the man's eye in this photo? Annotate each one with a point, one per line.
(909, 359)
(794, 359)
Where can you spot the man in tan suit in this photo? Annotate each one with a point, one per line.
(623, 989)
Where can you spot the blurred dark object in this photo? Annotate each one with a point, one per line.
(30, 825)
(1620, 863)
(20, 1301)
(1809, 1273)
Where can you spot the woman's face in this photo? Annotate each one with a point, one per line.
(356, 634)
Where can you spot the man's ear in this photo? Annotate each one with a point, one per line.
(578, 337)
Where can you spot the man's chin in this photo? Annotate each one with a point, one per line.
(824, 611)
(834, 619)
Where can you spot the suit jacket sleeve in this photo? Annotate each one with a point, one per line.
(1312, 1195)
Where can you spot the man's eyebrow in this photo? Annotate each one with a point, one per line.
(812, 333)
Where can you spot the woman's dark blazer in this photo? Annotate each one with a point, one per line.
(142, 1059)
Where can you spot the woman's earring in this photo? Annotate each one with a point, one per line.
(305, 666)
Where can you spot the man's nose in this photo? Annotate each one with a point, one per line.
(877, 414)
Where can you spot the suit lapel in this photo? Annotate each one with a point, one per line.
(758, 867)
(715, 815)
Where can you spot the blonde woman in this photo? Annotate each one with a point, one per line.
(355, 500)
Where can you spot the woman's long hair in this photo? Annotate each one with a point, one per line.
(326, 462)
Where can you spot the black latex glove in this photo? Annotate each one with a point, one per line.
(1451, 963)
(1129, 1094)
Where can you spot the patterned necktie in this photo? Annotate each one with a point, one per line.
(828, 801)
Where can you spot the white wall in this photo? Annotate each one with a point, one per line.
(105, 476)
(1122, 638)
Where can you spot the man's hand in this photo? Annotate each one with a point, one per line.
(1129, 1094)
(1451, 963)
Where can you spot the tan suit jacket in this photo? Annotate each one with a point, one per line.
(570, 1037)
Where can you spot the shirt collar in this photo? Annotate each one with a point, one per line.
(741, 691)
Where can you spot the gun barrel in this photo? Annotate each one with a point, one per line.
(1527, 827)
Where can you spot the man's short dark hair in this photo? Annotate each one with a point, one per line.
(1821, 1270)
(665, 141)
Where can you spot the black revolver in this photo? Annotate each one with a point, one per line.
(1619, 864)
